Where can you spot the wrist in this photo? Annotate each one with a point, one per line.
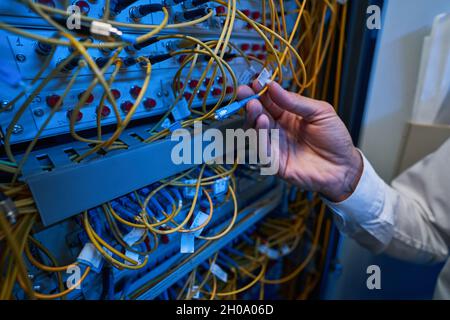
(348, 180)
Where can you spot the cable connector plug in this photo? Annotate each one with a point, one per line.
(8, 208)
(107, 30)
(229, 110)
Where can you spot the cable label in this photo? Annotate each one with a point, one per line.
(187, 243)
(220, 186)
(219, 272)
(200, 219)
(91, 257)
(265, 77)
(133, 236)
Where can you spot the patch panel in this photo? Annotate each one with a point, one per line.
(168, 252)
(157, 100)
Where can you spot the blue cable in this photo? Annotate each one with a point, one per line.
(229, 110)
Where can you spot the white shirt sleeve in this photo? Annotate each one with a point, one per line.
(409, 220)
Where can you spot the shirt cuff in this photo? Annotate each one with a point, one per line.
(364, 209)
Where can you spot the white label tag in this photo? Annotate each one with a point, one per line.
(200, 219)
(166, 123)
(133, 256)
(285, 250)
(220, 186)
(270, 253)
(196, 292)
(91, 256)
(264, 77)
(187, 243)
(181, 110)
(133, 236)
(246, 77)
(189, 191)
(219, 272)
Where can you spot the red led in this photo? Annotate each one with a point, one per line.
(84, 6)
(126, 106)
(180, 85)
(246, 12)
(256, 47)
(78, 118)
(220, 80)
(261, 56)
(89, 99)
(229, 90)
(202, 94)
(256, 15)
(182, 58)
(135, 91)
(187, 96)
(49, 3)
(208, 81)
(149, 103)
(220, 10)
(53, 100)
(193, 84)
(249, 26)
(245, 46)
(106, 111)
(164, 237)
(116, 94)
(217, 92)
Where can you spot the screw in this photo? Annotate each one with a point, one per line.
(4, 106)
(17, 129)
(20, 57)
(38, 112)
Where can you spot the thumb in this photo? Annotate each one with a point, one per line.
(305, 107)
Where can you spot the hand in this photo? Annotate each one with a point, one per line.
(316, 151)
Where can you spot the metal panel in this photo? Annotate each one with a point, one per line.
(70, 189)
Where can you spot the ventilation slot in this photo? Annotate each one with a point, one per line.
(45, 162)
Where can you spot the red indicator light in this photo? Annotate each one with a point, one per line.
(116, 94)
(135, 91)
(261, 56)
(89, 99)
(256, 15)
(149, 103)
(229, 90)
(246, 12)
(193, 84)
(245, 46)
(220, 10)
(126, 106)
(187, 96)
(84, 6)
(79, 115)
(256, 47)
(202, 94)
(220, 80)
(208, 81)
(217, 92)
(53, 100)
(106, 111)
